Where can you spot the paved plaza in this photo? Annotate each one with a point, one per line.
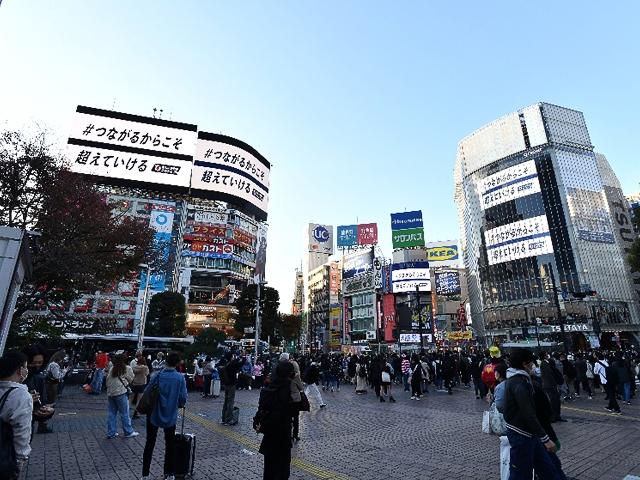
(355, 437)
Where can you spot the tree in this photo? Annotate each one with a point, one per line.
(166, 316)
(291, 327)
(634, 250)
(208, 342)
(80, 244)
(269, 305)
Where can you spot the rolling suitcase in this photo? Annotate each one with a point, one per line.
(215, 388)
(185, 451)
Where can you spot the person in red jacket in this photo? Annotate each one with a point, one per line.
(102, 360)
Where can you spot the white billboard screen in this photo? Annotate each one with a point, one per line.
(508, 184)
(130, 148)
(230, 170)
(526, 238)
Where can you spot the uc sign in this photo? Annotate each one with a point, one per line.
(442, 253)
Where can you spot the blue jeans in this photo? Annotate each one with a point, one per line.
(625, 390)
(98, 377)
(405, 380)
(229, 401)
(529, 455)
(119, 403)
(335, 380)
(326, 378)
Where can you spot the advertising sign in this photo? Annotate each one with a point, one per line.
(508, 184)
(368, 234)
(357, 263)
(405, 277)
(377, 273)
(230, 170)
(321, 238)
(458, 336)
(334, 283)
(214, 218)
(526, 238)
(408, 238)
(443, 254)
(334, 317)
(347, 235)
(388, 316)
(406, 220)
(447, 283)
(261, 255)
(128, 149)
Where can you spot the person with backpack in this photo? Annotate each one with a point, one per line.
(273, 419)
(582, 367)
(448, 371)
(361, 377)
(624, 377)
(228, 369)
(608, 380)
(417, 372)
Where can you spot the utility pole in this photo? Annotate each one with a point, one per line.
(559, 312)
(257, 331)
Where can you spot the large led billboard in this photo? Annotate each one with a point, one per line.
(228, 169)
(526, 238)
(508, 184)
(357, 264)
(130, 150)
(447, 282)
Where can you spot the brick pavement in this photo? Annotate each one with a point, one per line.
(355, 437)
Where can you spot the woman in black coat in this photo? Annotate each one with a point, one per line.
(276, 426)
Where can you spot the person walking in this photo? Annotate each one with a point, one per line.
(550, 385)
(139, 382)
(582, 378)
(417, 372)
(207, 377)
(405, 366)
(602, 370)
(361, 377)
(312, 379)
(36, 385)
(624, 378)
(296, 399)
(172, 394)
(158, 364)
(118, 378)
(54, 375)
(530, 443)
(16, 407)
(276, 427)
(386, 378)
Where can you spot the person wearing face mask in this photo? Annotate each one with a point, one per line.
(16, 406)
(530, 443)
(36, 384)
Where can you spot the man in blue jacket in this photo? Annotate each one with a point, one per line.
(172, 394)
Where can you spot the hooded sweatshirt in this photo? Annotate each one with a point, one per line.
(519, 408)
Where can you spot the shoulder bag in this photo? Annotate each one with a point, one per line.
(305, 406)
(126, 386)
(8, 459)
(149, 399)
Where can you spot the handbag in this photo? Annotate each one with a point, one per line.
(8, 459)
(129, 391)
(305, 406)
(496, 421)
(386, 378)
(486, 423)
(149, 399)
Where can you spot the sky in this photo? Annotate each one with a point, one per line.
(359, 105)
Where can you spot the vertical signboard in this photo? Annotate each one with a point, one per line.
(334, 317)
(407, 229)
(389, 316)
(334, 284)
(261, 253)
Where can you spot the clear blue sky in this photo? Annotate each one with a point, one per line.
(359, 105)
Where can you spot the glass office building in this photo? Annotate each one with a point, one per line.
(536, 207)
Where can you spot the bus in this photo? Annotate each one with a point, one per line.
(86, 346)
(248, 344)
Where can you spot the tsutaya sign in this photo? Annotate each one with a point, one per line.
(580, 327)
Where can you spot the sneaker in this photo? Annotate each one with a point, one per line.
(628, 403)
(418, 399)
(131, 435)
(617, 412)
(332, 389)
(413, 398)
(577, 395)
(589, 397)
(109, 437)
(249, 387)
(610, 410)
(337, 389)
(323, 405)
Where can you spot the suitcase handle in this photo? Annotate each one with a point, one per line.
(184, 409)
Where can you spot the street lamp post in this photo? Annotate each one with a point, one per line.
(419, 319)
(559, 312)
(145, 306)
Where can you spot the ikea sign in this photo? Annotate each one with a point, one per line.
(443, 254)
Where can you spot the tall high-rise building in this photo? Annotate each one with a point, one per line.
(537, 210)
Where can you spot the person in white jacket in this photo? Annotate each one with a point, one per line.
(16, 407)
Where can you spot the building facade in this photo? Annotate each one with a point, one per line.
(535, 207)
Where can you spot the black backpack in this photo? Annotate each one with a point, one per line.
(222, 373)
(261, 420)
(556, 373)
(363, 371)
(7, 449)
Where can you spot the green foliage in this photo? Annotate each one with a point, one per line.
(291, 325)
(26, 330)
(210, 341)
(166, 316)
(269, 305)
